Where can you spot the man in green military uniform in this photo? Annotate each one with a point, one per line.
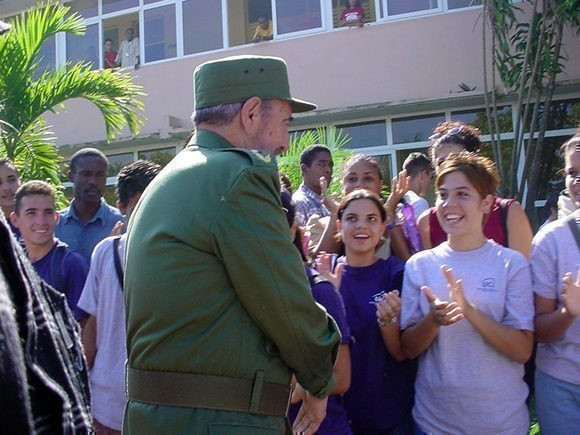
(219, 309)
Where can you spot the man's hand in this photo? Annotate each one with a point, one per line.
(571, 293)
(311, 415)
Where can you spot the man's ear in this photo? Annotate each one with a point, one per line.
(250, 114)
(69, 175)
(14, 219)
(57, 216)
(303, 168)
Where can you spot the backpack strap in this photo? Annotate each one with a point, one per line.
(117, 259)
(57, 268)
(503, 212)
(573, 222)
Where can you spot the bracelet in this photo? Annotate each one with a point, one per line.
(383, 323)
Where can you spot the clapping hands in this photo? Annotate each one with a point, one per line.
(448, 312)
(571, 293)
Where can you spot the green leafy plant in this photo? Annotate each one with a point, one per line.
(526, 52)
(334, 139)
(27, 95)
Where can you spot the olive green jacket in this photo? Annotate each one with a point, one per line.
(213, 283)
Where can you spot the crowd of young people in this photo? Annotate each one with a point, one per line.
(434, 343)
(447, 332)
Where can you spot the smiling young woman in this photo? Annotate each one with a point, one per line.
(474, 332)
(381, 392)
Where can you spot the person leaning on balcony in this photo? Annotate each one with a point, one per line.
(128, 55)
(264, 30)
(352, 15)
(220, 313)
(109, 54)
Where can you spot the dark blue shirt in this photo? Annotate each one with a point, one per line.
(83, 238)
(381, 389)
(73, 270)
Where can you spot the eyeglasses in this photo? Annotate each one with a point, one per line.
(455, 131)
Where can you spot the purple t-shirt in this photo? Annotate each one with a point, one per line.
(326, 295)
(74, 271)
(381, 389)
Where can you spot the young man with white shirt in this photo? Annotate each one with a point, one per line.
(104, 333)
(420, 173)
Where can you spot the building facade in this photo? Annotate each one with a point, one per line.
(413, 64)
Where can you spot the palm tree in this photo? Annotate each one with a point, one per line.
(26, 138)
(335, 140)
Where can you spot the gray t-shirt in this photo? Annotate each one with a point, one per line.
(463, 384)
(554, 253)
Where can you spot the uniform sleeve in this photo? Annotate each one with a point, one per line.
(519, 308)
(326, 295)
(252, 240)
(411, 295)
(76, 270)
(544, 268)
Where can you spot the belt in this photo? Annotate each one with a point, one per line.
(194, 390)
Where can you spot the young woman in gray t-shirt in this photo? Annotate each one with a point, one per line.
(467, 313)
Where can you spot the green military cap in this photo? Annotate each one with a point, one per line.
(238, 78)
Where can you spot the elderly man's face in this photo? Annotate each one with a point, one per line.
(273, 134)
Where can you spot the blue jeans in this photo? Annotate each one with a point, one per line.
(557, 404)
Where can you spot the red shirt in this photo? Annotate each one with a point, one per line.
(352, 15)
(493, 228)
(110, 59)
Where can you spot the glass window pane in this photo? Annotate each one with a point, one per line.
(161, 156)
(340, 6)
(86, 8)
(415, 129)
(110, 194)
(506, 149)
(365, 134)
(296, 15)
(46, 57)
(563, 114)
(398, 7)
(116, 162)
(385, 165)
(456, 4)
(151, 1)
(118, 29)
(84, 47)
(118, 5)
(202, 26)
(478, 118)
(160, 39)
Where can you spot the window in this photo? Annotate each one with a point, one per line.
(84, 47)
(478, 118)
(160, 39)
(297, 15)
(365, 134)
(118, 5)
(85, 8)
(551, 163)
(415, 129)
(456, 4)
(384, 162)
(116, 29)
(116, 162)
(399, 7)
(505, 148)
(46, 57)
(202, 26)
(161, 156)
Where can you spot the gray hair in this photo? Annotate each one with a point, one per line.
(221, 114)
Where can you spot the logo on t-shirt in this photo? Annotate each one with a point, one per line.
(488, 285)
(376, 298)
